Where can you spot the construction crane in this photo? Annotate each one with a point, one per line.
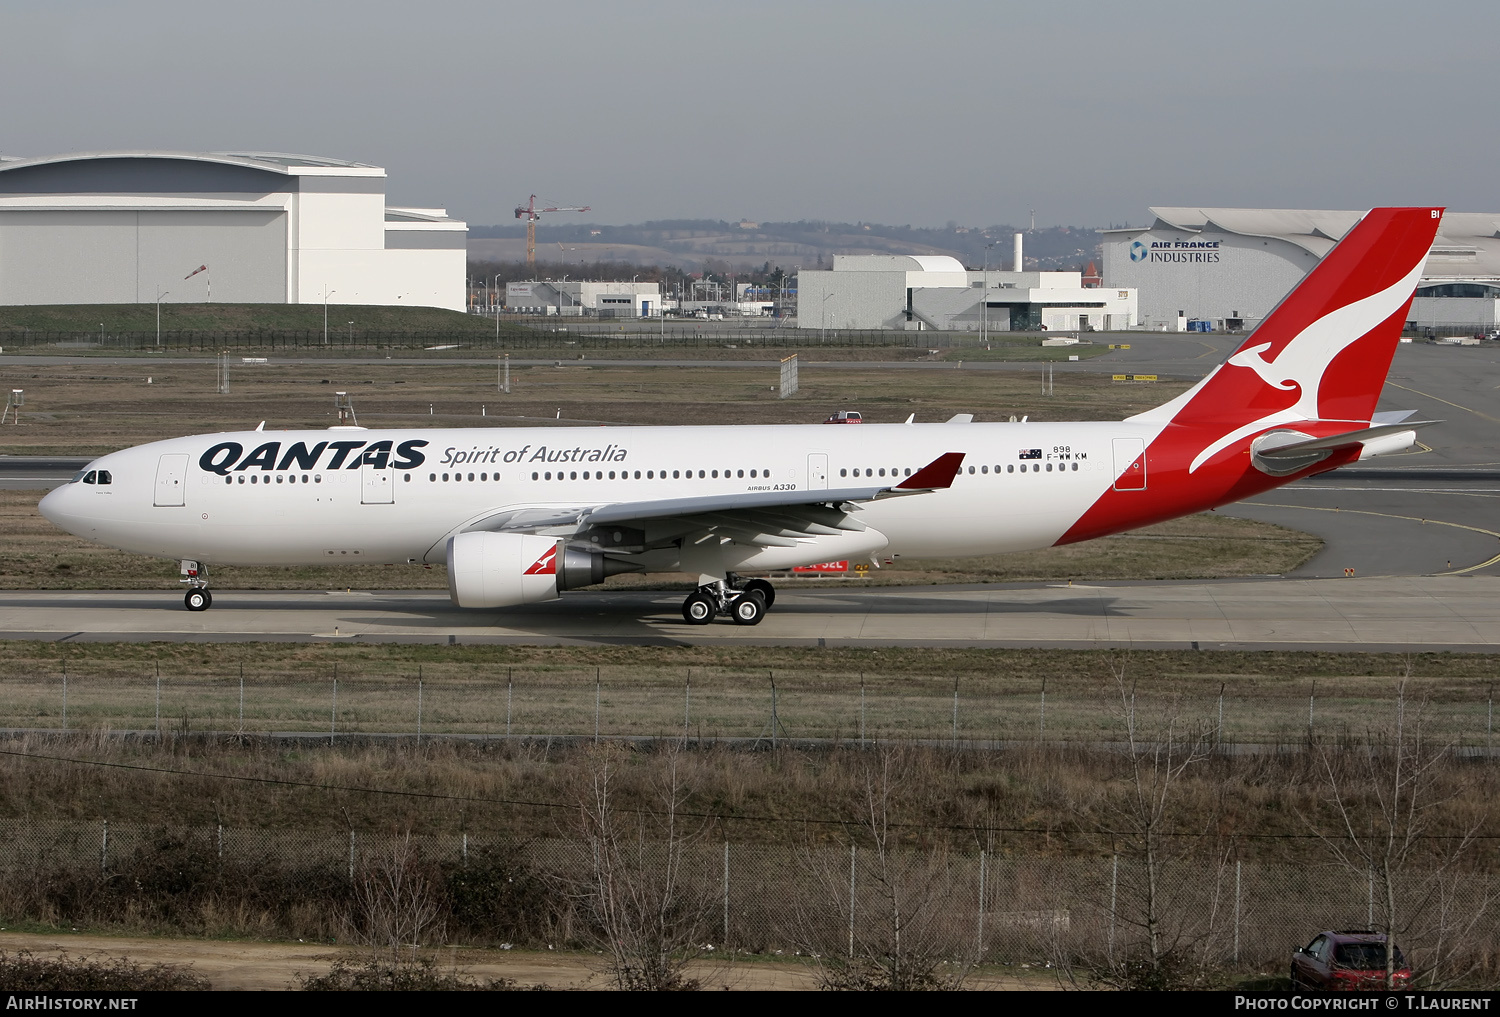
(531, 213)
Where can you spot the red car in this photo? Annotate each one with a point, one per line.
(1347, 960)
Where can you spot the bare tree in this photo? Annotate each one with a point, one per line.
(1385, 818)
(1144, 818)
(649, 916)
(897, 900)
(397, 902)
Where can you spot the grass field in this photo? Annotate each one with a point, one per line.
(712, 693)
(93, 409)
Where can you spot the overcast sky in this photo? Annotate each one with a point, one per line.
(887, 112)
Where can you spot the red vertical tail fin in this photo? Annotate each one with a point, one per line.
(1324, 352)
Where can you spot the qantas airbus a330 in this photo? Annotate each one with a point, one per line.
(519, 514)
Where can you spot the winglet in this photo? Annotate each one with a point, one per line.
(935, 476)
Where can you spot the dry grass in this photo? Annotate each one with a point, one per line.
(96, 408)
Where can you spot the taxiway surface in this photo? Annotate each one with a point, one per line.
(1399, 614)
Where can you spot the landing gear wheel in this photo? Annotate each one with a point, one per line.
(765, 589)
(198, 600)
(699, 608)
(748, 608)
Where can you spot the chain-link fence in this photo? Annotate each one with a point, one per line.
(518, 335)
(997, 907)
(712, 704)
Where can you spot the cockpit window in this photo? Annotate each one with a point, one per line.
(105, 478)
(90, 477)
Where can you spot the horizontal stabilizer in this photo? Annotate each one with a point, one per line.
(1268, 448)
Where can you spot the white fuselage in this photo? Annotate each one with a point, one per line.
(1021, 486)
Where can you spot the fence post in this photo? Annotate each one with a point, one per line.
(1220, 737)
(726, 895)
(979, 957)
(1043, 728)
(852, 854)
(1489, 722)
(221, 841)
(774, 720)
(242, 700)
(1311, 695)
(509, 684)
(1370, 913)
(687, 709)
(104, 848)
(955, 714)
(333, 723)
(351, 855)
(1238, 865)
(596, 706)
(1114, 887)
(158, 700)
(465, 849)
(861, 710)
(65, 697)
(419, 706)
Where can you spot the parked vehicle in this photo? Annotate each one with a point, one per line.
(845, 417)
(1353, 960)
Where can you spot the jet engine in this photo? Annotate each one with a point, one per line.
(510, 569)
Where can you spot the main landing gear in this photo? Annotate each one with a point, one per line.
(746, 604)
(197, 597)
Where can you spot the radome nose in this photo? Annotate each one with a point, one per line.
(54, 507)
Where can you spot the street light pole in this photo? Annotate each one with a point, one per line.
(496, 299)
(326, 294)
(984, 297)
(160, 293)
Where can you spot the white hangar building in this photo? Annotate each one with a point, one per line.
(1235, 264)
(880, 291)
(122, 227)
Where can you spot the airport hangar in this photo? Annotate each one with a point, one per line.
(1231, 266)
(126, 227)
(882, 291)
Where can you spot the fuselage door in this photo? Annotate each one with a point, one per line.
(817, 471)
(379, 485)
(171, 480)
(1130, 464)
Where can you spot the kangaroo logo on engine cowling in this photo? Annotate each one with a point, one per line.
(546, 565)
(230, 457)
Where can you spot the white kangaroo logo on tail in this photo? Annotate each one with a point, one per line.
(1302, 361)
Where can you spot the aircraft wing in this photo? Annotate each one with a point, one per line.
(768, 518)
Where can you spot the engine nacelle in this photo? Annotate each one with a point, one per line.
(510, 569)
(501, 569)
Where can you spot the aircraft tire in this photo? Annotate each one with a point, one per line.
(198, 600)
(765, 589)
(748, 608)
(699, 609)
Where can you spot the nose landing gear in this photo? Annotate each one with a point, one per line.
(746, 605)
(197, 597)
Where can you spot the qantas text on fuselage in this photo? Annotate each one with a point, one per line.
(520, 514)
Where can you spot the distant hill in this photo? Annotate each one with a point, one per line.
(694, 243)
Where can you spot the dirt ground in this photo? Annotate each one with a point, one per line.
(260, 966)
